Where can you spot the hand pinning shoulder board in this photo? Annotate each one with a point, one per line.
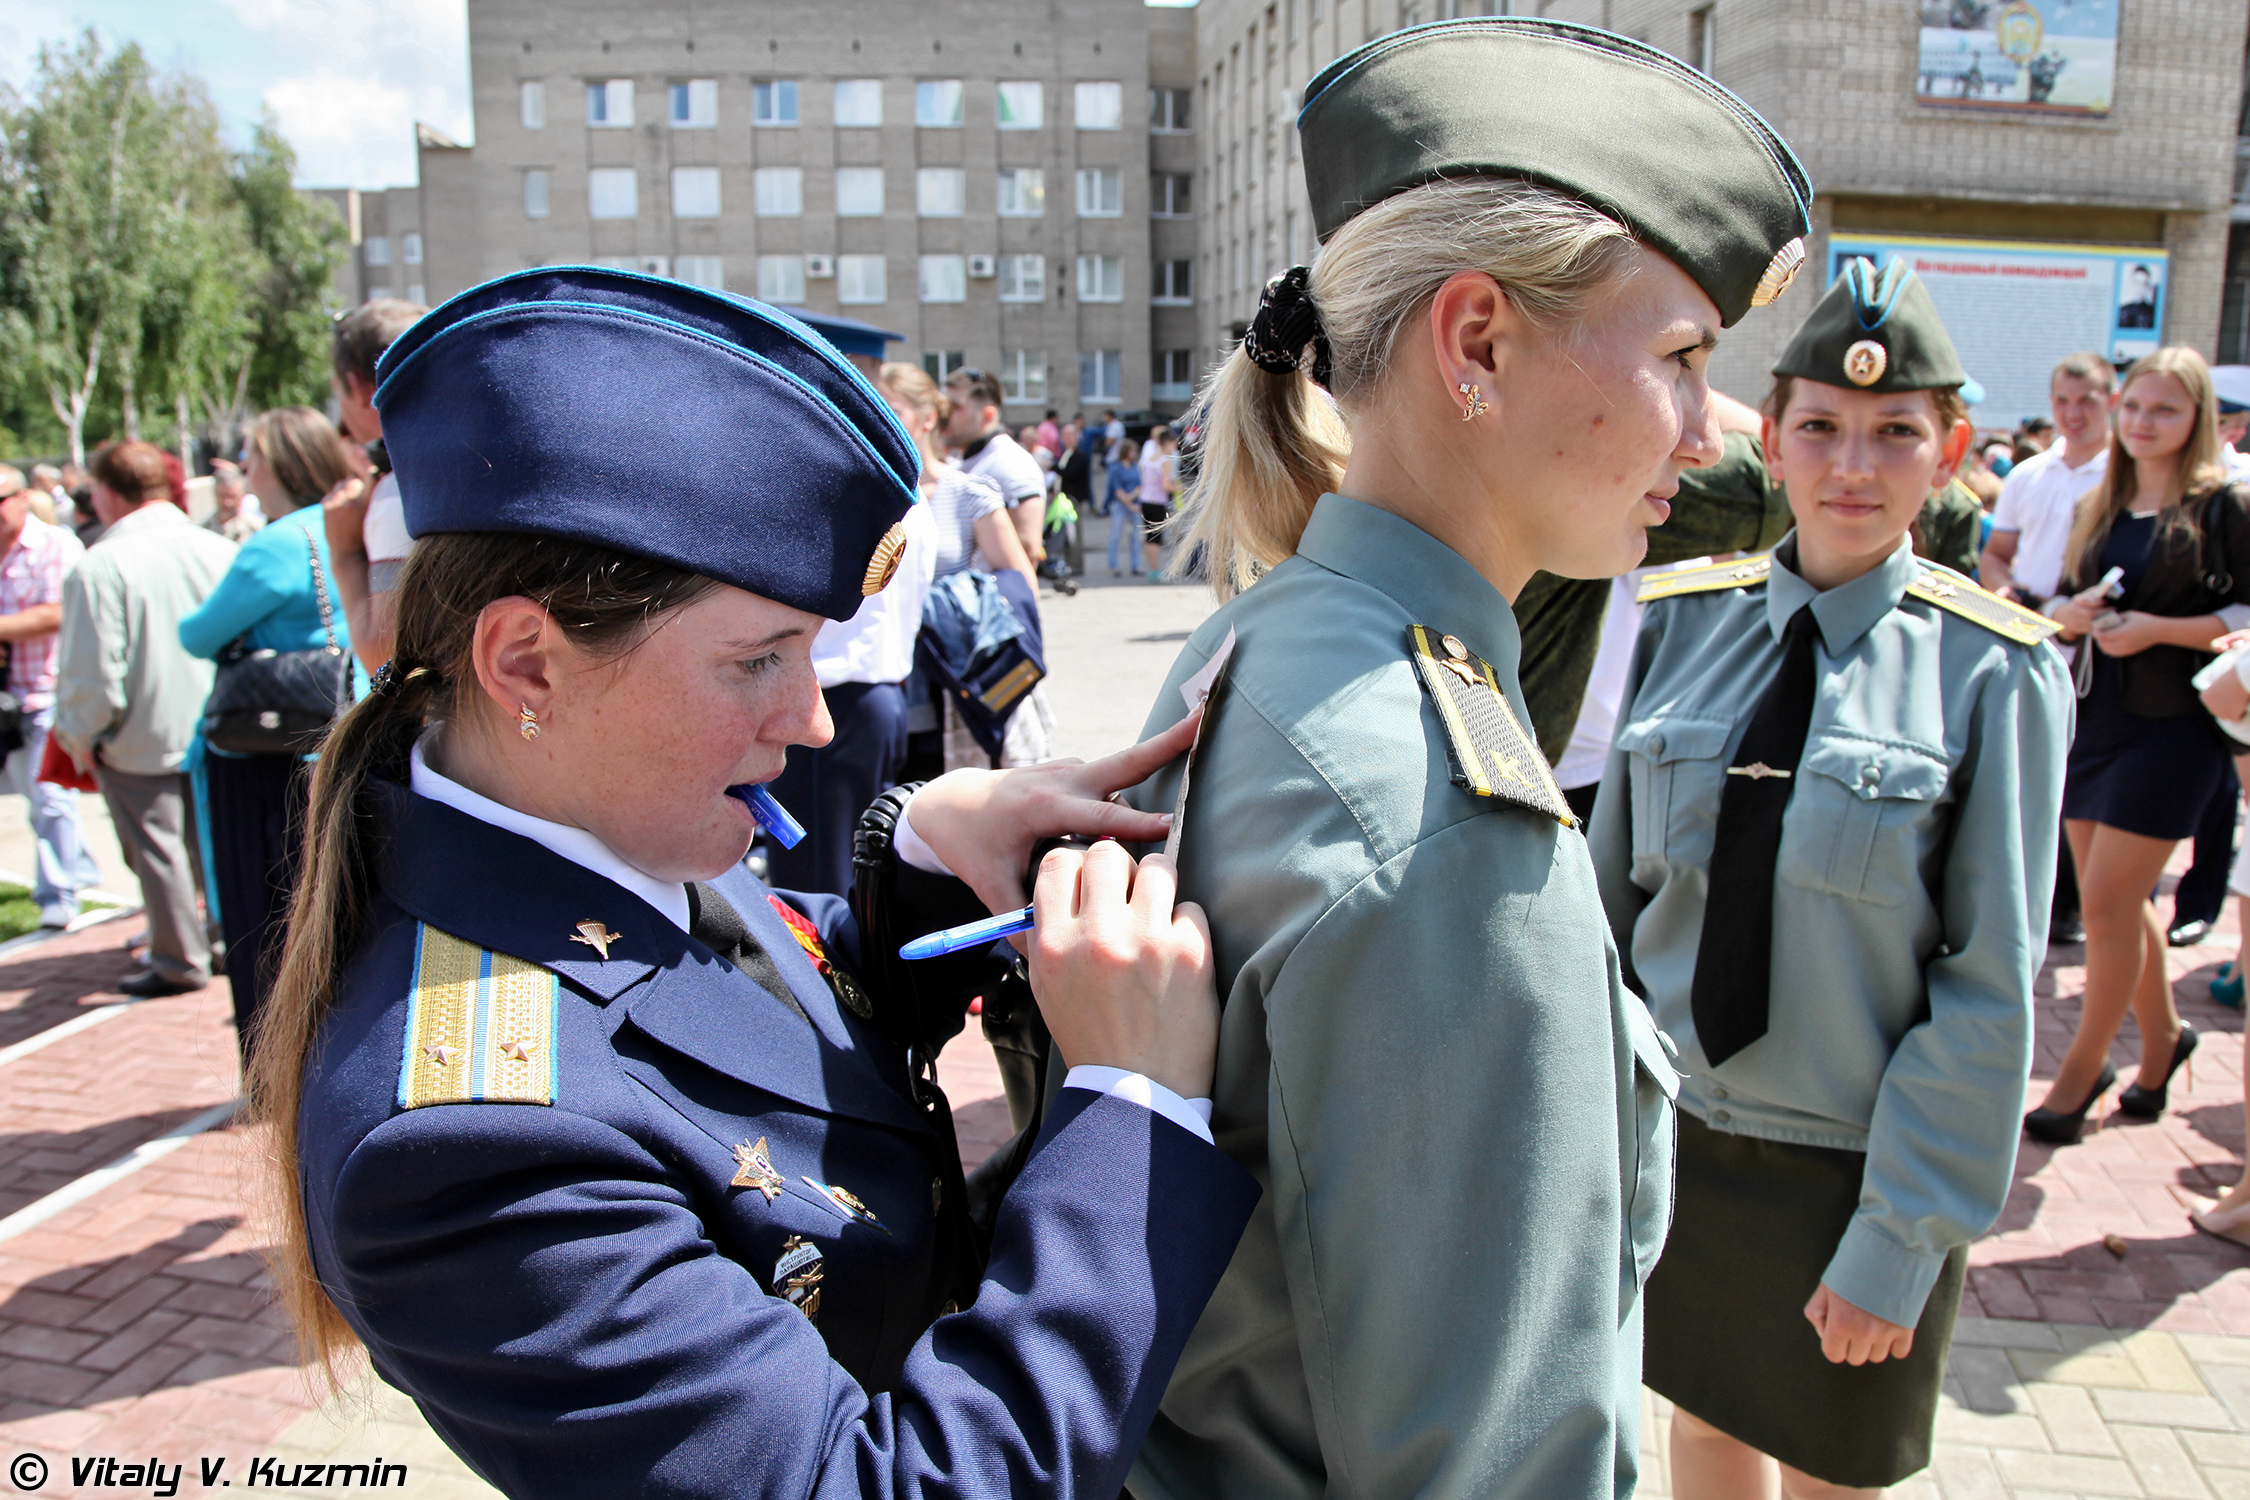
(1941, 586)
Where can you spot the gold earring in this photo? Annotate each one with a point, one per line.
(1472, 401)
(527, 722)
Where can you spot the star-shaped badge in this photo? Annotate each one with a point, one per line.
(518, 1050)
(441, 1054)
(596, 936)
(754, 1169)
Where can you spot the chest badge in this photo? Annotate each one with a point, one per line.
(753, 1168)
(1490, 753)
(797, 1276)
(1757, 770)
(848, 1201)
(846, 987)
(596, 936)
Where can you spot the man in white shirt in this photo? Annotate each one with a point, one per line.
(367, 540)
(988, 452)
(2031, 524)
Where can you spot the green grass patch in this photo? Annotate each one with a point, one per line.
(19, 914)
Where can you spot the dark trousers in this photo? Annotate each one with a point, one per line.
(257, 827)
(2202, 891)
(827, 789)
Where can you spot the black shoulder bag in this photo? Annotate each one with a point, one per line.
(268, 702)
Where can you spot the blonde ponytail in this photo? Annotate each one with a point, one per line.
(1273, 444)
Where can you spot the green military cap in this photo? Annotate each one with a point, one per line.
(1689, 168)
(1876, 331)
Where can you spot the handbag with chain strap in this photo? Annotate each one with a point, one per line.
(268, 702)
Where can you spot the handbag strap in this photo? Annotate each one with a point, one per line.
(320, 590)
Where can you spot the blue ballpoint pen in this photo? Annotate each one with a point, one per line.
(771, 815)
(969, 935)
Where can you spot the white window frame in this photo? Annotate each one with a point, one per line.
(774, 103)
(535, 193)
(1010, 198)
(531, 102)
(1165, 106)
(858, 90)
(940, 192)
(1019, 104)
(1163, 197)
(1023, 377)
(930, 97)
(778, 192)
(378, 250)
(695, 192)
(1023, 278)
(1164, 289)
(1161, 386)
(609, 104)
(1099, 105)
(852, 280)
(603, 185)
(1101, 192)
(410, 247)
(858, 177)
(700, 96)
(781, 279)
(708, 271)
(943, 278)
(1101, 278)
(1093, 366)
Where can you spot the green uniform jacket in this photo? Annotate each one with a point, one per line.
(1461, 1118)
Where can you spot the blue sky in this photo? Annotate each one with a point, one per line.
(347, 79)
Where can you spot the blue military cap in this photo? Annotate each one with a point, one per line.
(707, 431)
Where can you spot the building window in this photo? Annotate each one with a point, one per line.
(941, 363)
(1023, 278)
(1020, 106)
(1101, 375)
(535, 195)
(1023, 377)
(1175, 376)
(859, 192)
(938, 192)
(379, 251)
(1101, 278)
(1101, 106)
(1023, 193)
(773, 101)
(1168, 109)
(1173, 282)
(416, 292)
(695, 104)
(937, 103)
(532, 96)
(859, 101)
(695, 192)
(859, 279)
(1101, 192)
(707, 271)
(1702, 39)
(611, 193)
(776, 192)
(410, 248)
(1169, 193)
(610, 105)
(945, 278)
(781, 278)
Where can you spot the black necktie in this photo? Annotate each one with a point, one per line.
(713, 922)
(1734, 962)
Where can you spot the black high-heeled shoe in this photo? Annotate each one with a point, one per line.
(2059, 1129)
(2147, 1104)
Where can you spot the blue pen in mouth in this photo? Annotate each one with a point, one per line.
(771, 815)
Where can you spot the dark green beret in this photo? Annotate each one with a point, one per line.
(1875, 331)
(1684, 164)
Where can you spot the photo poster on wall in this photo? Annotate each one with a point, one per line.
(2044, 56)
(2016, 308)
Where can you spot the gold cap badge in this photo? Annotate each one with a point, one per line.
(884, 563)
(1780, 271)
(1865, 361)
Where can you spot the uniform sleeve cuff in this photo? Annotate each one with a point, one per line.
(908, 845)
(1191, 1115)
(1876, 1274)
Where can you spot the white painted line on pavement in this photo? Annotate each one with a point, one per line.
(71, 1027)
(146, 1154)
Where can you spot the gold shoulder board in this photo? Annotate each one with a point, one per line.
(1491, 755)
(1736, 573)
(480, 1027)
(1955, 594)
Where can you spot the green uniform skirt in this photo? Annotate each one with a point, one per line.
(1754, 1225)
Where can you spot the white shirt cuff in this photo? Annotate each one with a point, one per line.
(1191, 1115)
(2235, 615)
(908, 845)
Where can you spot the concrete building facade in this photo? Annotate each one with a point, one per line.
(388, 255)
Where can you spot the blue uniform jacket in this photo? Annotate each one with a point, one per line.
(582, 1301)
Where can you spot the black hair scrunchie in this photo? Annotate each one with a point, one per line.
(1287, 320)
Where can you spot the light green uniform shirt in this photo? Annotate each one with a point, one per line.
(1460, 1117)
(1910, 894)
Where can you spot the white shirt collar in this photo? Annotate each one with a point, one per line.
(574, 844)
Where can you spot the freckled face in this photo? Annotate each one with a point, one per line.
(647, 745)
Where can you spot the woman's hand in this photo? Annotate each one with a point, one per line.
(2229, 642)
(1853, 1336)
(2227, 698)
(983, 823)
(1124, 978)
(2076, 614)
(2131, 634)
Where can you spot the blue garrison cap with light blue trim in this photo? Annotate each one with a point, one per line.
(707, 431)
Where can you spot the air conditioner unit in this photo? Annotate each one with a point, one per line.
(656, 265)
(820, 267)
(984, 267)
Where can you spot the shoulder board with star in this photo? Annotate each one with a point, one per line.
(480, 1027)
(1735, 573)
(1491, 754)
(1955, 594)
